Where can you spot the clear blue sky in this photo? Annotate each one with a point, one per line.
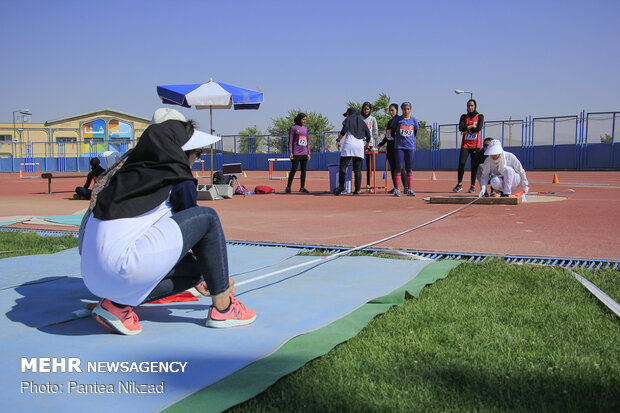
(538, 58)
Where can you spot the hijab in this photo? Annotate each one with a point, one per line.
(369, 107)
(475, 112)
(354, 123)
(156, 164)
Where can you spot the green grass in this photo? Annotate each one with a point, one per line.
(14, 244)
(490, 337)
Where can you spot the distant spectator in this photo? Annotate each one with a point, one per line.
(470, 126)
(371, 122)
(390, 153)
(356, 138)
(299, 151)
(83, 192)
(405, 129)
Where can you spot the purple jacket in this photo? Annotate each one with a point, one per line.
(298, 140)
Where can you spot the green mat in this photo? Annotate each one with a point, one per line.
(257, 377)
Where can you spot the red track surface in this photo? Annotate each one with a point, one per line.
(584, 225)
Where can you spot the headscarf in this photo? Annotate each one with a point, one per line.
(475, 112)
(369, 107)
(299, 117)
(354, 124)
(495, 148)
(153, 167)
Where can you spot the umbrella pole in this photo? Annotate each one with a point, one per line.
(211, 133)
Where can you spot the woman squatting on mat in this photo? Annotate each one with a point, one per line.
(147, 239)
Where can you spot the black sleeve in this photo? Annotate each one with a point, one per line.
(478, 127)
(367, 134)
(383, 142)
(89, 179)
(462, 126)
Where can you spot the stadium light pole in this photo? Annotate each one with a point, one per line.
(458, 92)
(22, 112)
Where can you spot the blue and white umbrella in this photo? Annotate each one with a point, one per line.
(210, 95)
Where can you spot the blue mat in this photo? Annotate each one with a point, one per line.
(37, 323)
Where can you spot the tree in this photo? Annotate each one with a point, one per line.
(379, 109)
(607, 138)
(423, 138)
(250, 139)
(316, 123)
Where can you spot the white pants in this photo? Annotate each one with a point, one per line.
(508, 183)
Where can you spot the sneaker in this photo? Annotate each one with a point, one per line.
(120, 320)
(304, 190)
(396, 192)
(457, 188)
(391, 191)
(472, 189)
(338, 191)
(287, 190)
(237, 315)
(410, 192)
(486, 195)
(505, 195)
(357, 192)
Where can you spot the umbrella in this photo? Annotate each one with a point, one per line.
(210, 95)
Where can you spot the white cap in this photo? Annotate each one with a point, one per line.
(495, 148)
(199, 139)
(163, 114)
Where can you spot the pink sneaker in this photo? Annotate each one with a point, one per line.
(237, 315)
(120, 320)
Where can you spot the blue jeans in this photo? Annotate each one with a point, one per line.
(207, 261)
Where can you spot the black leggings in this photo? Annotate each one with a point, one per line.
(474, 164)
(298, 160)
(357, 171)
(391, 157)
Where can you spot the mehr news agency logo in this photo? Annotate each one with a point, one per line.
(74, 365)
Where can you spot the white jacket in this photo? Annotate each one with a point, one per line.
(491, 168)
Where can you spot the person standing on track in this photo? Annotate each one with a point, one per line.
(405, 130)
(299, 151)
(356, 138)
(470, 126)
(503, 170)
(371, 122)
(390, 153)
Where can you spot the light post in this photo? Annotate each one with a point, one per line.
(458, 92)
(22, 112)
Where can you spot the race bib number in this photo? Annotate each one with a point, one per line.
(302, 140)
(471, 136)
(406, 131)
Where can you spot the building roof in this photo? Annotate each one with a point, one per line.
(103, 112)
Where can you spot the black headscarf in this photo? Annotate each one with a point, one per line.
(369, 107)
(475, 112)
(354, 124)
(153, 167)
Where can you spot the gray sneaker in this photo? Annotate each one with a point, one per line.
(396, 192)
